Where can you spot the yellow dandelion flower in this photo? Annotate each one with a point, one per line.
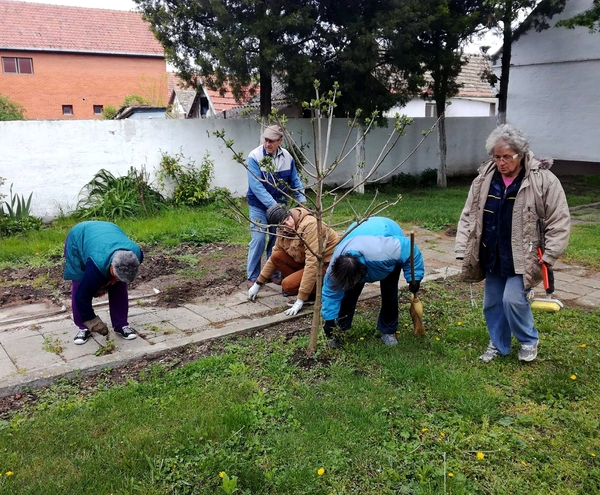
(583, 346)
(442, 434)
(459, 323)
(592, 454)
(450, 475)
(320, 471)
(406, 324)
(9, 473)
(362, 338)
(423, 430)
(222, 474)
(480, 455)
(573, 377)
(437, 338)
(524, 463)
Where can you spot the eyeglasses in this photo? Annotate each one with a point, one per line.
(505, 158)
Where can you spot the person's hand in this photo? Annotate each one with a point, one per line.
(253, 292)
(414, 286)
(295, 308)
(96, 325)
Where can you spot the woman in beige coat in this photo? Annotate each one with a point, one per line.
(294, 254)
(499, 232)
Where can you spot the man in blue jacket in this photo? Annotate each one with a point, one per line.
(100, 258)
(375, 250)
(272, 179)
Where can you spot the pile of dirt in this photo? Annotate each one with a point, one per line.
(181, 274)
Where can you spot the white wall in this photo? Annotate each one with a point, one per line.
(459, 107)
(554, 89)
(55, 159)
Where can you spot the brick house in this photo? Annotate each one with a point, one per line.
(70, 62)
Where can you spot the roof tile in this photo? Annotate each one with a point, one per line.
(75, 29)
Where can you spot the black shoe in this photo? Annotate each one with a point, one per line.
(126, 332)
(334, 343)
(82, 336)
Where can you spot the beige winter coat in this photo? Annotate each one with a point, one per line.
(541, 196)
(295, 246)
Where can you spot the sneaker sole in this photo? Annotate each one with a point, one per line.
(80, 342)
(527, 359)
(131, 337)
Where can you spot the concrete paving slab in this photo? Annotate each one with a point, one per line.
(183, 318)
(250, 308)
(57, 336)
(28, 353)
(592, 282)
(217, 315)
(13, 315)
(7, 367)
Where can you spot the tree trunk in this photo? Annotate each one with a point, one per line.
(505, 70)
(360, 159)
(441, 176)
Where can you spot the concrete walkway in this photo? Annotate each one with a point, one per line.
(36, 340)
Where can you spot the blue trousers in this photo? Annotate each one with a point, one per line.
(118, 305)
(258, 240)
(507, 311)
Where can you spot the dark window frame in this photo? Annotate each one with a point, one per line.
(17, 64)
(67, 110)
(100, 108)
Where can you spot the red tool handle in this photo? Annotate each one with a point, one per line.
(547, 274)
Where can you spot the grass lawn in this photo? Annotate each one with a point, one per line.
(421, 418)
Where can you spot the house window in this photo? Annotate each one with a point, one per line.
(16, 65)
(98, 109)
(430, 110)
(67, 109)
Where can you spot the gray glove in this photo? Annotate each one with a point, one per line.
(295, 308)
(253, 292)
(96, 325)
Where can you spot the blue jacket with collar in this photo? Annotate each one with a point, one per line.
(284, 176)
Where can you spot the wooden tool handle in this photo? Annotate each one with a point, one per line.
(412, 255)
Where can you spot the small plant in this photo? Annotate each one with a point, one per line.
(108, 348)
(191, 183)
(53, 345)
(110, 197)
(229, 485)
(108, 112)
(18, 207)
(17, 218)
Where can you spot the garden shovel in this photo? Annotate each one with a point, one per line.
(416, 306)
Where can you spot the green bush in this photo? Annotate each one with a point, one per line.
(191, 184)
(427, 178)
(109, 197)
(11, 110)
(10, 226)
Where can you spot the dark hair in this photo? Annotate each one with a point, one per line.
(346, 272)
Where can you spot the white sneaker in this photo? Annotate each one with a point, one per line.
(389, 339)
(528, 353)
(82, 336)
(490, 353)
(126, 332)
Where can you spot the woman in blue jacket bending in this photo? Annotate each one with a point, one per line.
(100, 258)
(375, 250)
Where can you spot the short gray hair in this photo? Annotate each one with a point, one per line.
(510, 136)
(125, 265)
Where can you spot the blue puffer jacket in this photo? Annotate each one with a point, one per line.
(284, 176)
(380, 245)
(96, 241)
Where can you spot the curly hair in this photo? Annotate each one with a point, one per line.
(510, 136)
(346, 272)
(125, 265)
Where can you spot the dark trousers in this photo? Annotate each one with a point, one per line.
(388, 314)
(118, 305)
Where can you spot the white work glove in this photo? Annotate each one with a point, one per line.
(253, 292)
(295, 308)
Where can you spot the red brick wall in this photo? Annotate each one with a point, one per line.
(82, 81)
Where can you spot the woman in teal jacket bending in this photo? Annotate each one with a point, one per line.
(100, 258)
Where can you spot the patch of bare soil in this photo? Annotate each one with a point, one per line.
(181, 275)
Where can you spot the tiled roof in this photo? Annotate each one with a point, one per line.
(251, 108)
(470, 78)
(34, 26)
(221, 103)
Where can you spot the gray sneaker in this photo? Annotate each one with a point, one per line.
(490, 353)
(389, 339)
(528, 353)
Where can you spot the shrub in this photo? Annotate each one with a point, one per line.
(11, 110)
(110, 197)
(191, 184)
(16, 219)
(427, 178)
